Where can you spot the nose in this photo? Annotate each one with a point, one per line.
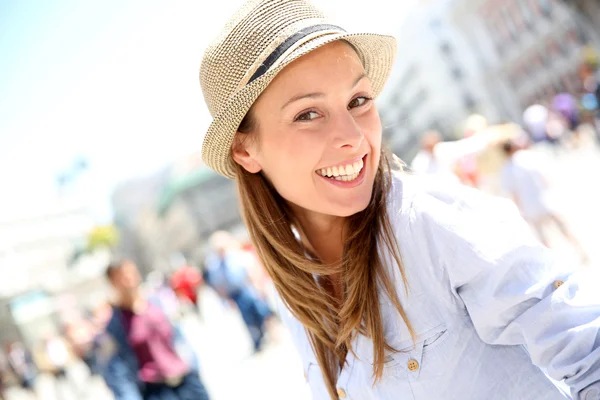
(346, 132)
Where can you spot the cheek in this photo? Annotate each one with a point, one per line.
(370, 124)
(289, 162)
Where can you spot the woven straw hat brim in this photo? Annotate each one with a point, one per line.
(377, 53)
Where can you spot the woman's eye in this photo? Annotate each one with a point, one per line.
(358, 101)
(307, 116)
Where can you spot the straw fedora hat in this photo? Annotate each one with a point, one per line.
(261, 38)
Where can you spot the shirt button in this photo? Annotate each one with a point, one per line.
(413, 365)
(341, 393)
(558, 284)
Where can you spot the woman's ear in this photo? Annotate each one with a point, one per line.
(244, 152)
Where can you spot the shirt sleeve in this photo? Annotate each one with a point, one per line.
(516, 291)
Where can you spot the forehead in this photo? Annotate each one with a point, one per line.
(337, 58)
(125, 267)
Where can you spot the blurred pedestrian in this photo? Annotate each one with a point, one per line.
(81, 334)
(535, 119)
(20, 361)
(226, 272)
(566, 105)
(467, 168)
(444, 159)
(526, 178)
(145, 363)
(58, 355)
(4, 371)
(186, 282)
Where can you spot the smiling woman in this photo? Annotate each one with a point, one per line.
(393, 287)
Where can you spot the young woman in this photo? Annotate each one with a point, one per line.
(394, 287)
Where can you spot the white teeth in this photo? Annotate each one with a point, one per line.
(346, 178)
(343, 172)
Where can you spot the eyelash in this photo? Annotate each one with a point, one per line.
(367, 99)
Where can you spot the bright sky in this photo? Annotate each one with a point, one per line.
(114, 81)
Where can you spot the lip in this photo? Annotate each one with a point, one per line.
(352, 184)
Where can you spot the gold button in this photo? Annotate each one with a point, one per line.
(413, 365)
(558, 284)
(341, 393)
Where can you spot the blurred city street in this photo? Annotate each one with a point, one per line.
(228, 368)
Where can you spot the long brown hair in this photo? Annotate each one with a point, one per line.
(331, 324)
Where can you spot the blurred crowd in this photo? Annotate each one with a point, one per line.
(518, 161)
(134, 342)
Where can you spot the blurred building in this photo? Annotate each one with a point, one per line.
(586, 10)
(46, 273)
(530, 50)
(141, 238)
(173, 212)
(436, 82)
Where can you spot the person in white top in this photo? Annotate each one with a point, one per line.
(527, 179)
(395, 287)
(441, 158)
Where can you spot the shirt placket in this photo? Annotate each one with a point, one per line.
(343, 379)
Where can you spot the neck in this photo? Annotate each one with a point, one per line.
(321, 235)
(130, 299)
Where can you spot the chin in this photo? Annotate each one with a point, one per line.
(350, 208)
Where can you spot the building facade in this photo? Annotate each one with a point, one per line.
(529, 50)
(436, 82)
(173, 212)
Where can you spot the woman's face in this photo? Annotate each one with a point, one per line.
(317, 136)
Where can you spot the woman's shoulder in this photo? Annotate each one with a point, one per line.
(418, 199)
(415, 194)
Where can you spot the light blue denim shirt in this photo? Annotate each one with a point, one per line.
(494, 312)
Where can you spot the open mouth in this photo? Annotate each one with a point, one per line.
(345, 172)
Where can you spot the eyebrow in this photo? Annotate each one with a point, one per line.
(319, 94)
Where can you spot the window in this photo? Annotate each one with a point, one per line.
(510, 23)
(525, 7)
(420, 98)
(446, 48)
(545, 7)
(582, 34)
(469, 102)
(544, 58)
(515, 13)
(457, 73)
(552, 48)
